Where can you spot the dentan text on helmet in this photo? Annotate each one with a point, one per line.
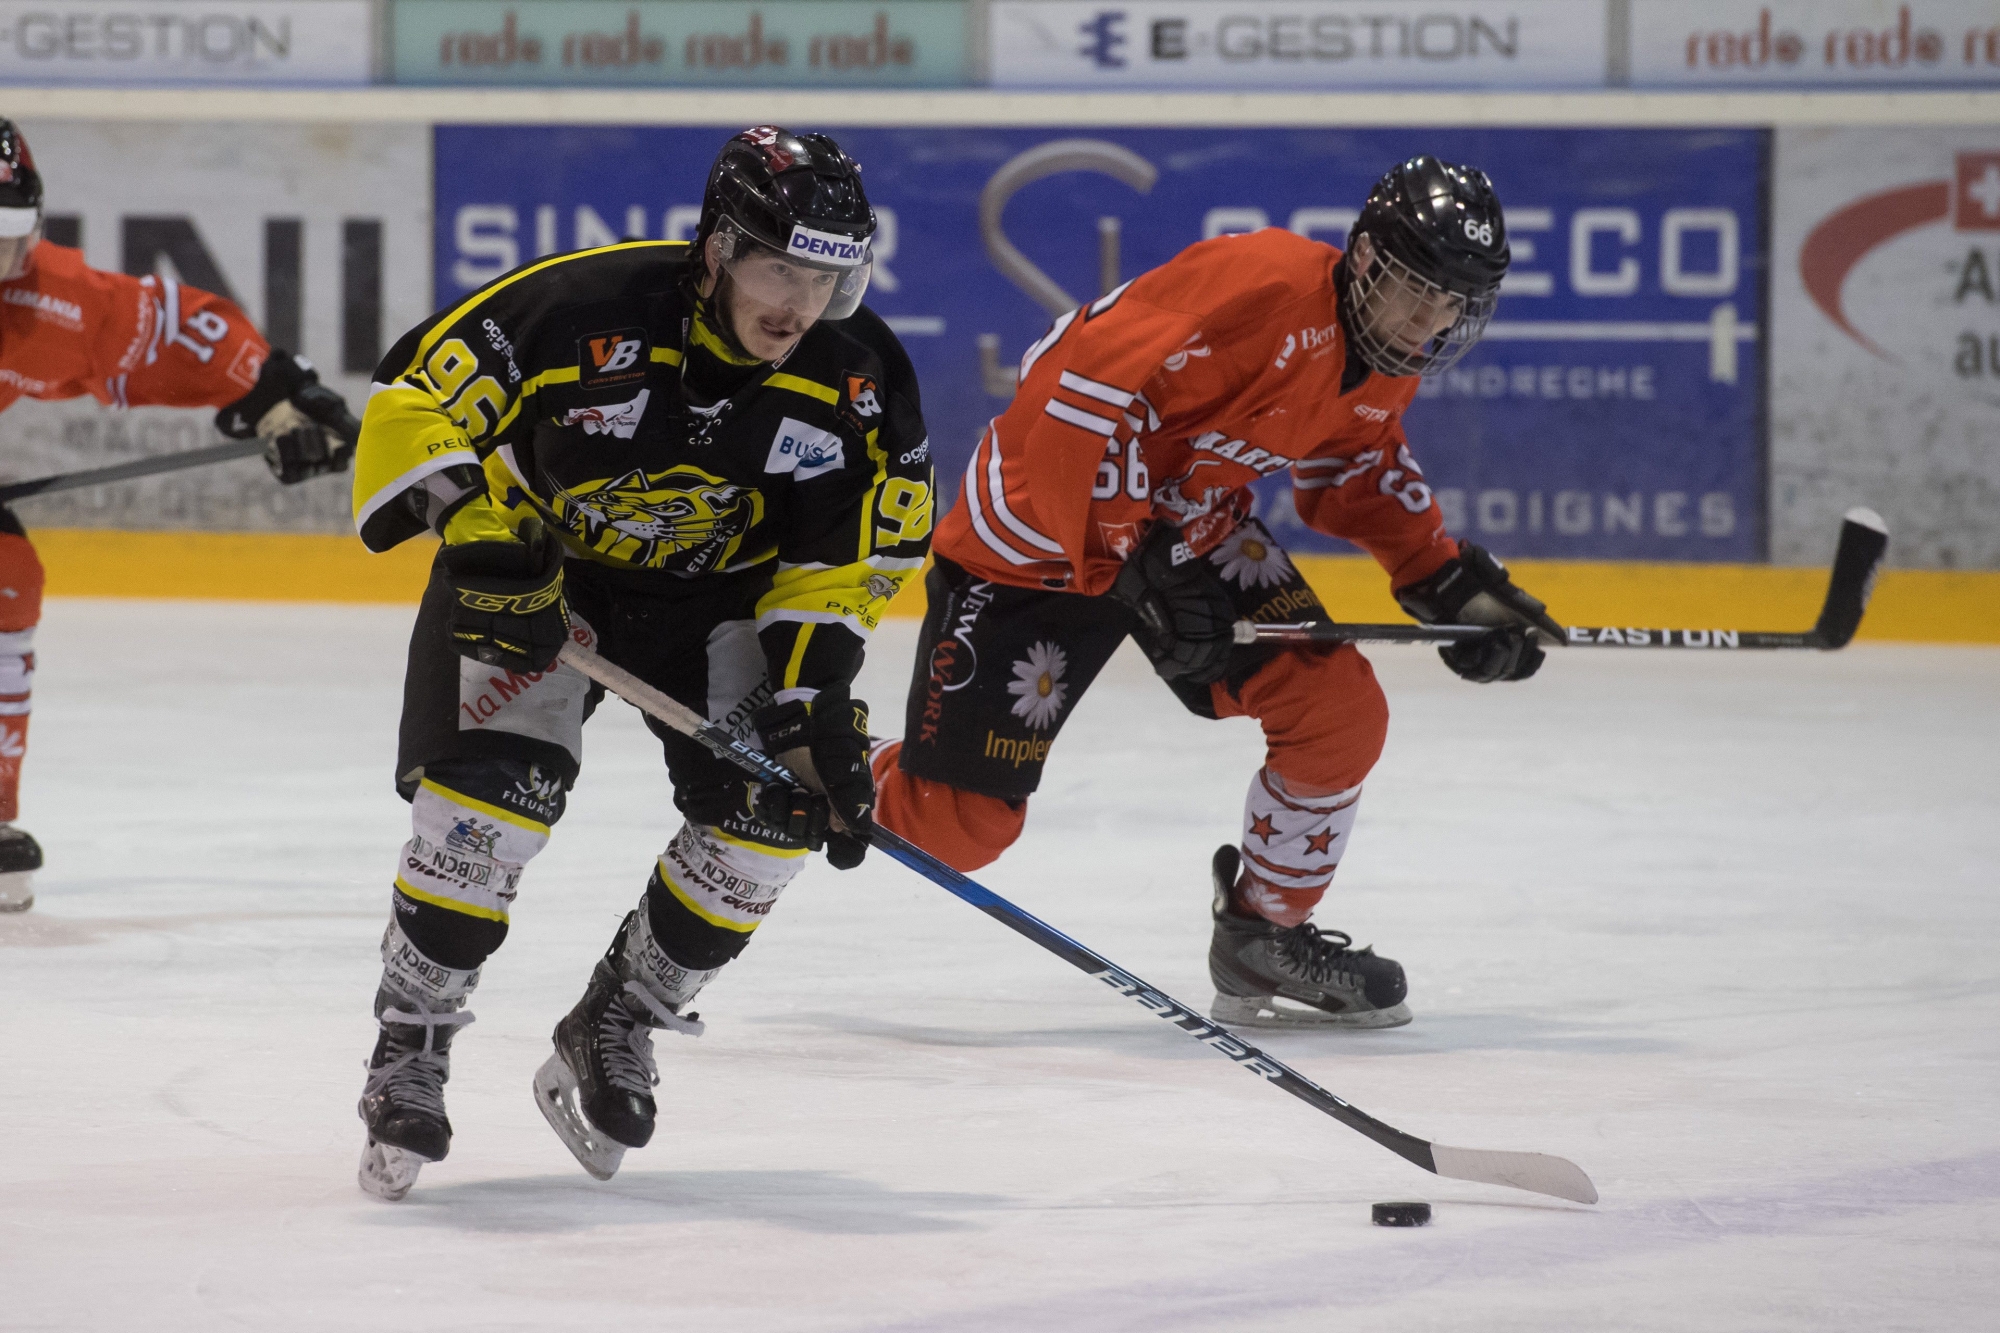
(827, 247)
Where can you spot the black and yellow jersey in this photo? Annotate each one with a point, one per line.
(586, 387)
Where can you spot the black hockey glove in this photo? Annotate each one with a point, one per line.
(303, 452)
(826, 744)
(307, 429)
(507, 601)
(1475, 589)
(1187, 620)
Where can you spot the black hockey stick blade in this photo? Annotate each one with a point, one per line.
(1535, 1172)
(1857, 559)
(143, 467)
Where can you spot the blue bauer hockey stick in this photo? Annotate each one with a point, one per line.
(1536, 1172)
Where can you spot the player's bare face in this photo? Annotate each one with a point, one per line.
(1404, 313)
(17, 254)
(770, 301)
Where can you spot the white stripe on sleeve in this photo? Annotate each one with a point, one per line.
(1076, 416)
(1103, 393)
(999, 492)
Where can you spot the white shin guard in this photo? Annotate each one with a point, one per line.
(465, 856)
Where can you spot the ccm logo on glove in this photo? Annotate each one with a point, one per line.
(516, 604)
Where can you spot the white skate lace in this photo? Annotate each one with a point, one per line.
(627, 1039)
(416, 1077)
(1312, 953)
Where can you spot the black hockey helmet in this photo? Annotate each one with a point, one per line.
(798, 195)
(1440, 242)
(20, 201)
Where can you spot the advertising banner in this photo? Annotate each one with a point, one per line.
(318, 231)
(1614, 410)
(187, 42)
(1886, 368)
(789, 43)
(1814, 44)
(1313, 44)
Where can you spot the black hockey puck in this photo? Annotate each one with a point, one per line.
(1402, 1214)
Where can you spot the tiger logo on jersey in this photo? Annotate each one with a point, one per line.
(683, 519)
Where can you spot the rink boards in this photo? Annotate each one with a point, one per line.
(1919, 605)
(1615, 409)
(1711, 344)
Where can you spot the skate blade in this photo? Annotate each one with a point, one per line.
(387, 1172)
(1267, 1011)
(562, 1106)
(17, 893)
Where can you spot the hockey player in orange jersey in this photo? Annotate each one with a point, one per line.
(1110, 499)
(67, 330)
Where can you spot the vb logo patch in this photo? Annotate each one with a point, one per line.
(616, 356)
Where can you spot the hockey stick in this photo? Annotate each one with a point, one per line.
(144, 467)
(1536, 1172)
(1863, 539)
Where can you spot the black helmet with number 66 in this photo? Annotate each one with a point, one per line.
(1425, 260)
(797, 195)
(20, 202)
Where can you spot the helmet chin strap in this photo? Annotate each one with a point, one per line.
(1343, 283)
(1357, 368)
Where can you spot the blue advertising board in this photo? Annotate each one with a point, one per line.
(1614, 411)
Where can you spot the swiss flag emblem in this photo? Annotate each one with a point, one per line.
(1978, 192)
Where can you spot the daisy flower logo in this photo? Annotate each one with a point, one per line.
(1250, 558)
(1037, 686)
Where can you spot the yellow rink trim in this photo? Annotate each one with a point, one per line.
(1913, 605)
(252, 566)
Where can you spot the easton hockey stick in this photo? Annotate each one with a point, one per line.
(1863, 539)
(1538, 1173)
(144, 467)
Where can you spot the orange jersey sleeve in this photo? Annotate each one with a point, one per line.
(1366, 488)
(67, 330)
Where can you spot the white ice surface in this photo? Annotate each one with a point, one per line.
(1720, 929)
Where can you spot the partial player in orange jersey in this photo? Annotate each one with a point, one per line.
(1111, 498)
(67, 330)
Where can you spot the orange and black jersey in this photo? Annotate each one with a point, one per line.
(1167, 398)
(586, 388)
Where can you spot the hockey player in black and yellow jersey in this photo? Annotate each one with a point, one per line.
(706, 462)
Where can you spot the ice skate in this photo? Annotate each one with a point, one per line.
(20, 858)
(402, 1102)
(1272, 976)
(596, 1090)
